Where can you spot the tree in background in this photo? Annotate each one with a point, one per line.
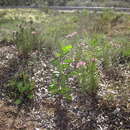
(15, 2)
(35, 2)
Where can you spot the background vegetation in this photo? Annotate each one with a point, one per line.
(114, 3)
(73, 65)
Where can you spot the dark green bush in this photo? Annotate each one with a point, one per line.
(22, 88)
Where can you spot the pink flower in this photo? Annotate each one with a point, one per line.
(71, 35)
(82, 44)
(93, 59)
(34, 33)
(80, 64)
(14, 32)
(71, 79)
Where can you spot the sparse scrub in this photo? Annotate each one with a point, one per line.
(26, 38)
(87, 76)
(85, 69)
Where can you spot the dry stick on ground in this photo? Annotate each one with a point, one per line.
(15, 118)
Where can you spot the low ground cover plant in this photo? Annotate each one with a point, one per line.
(23, 88)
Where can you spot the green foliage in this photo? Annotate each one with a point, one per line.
(99, 3)
(86, 56)
(59, 83)
(87, 76)
(23, 88)
(33, 2)
(107, 15)
(16, 2)
(26, 38)
(78, 62)
(85, 72)
(126, 49)
(56, 29)
(102, 50)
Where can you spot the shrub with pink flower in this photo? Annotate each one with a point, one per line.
(80, 64)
